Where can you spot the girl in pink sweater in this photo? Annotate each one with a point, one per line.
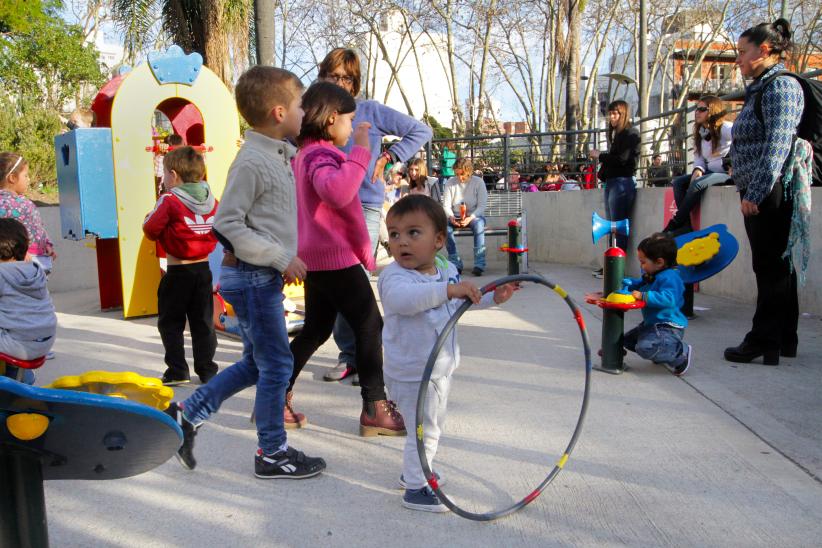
(335, 246)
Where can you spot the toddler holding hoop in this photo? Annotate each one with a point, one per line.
(420, 292)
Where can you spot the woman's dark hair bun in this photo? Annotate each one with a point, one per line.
(777, 35)
(783, 27)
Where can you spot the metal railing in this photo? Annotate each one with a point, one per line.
(503, 158)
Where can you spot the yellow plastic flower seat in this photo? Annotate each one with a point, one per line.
(126, 385)
(699, 251)
(621, 298)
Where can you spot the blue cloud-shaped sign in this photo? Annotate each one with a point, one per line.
(175, 67)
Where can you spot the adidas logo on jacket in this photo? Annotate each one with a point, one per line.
(182, 220)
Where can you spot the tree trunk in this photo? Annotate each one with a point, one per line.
(486, 41)
(572, 77)
(264, 25)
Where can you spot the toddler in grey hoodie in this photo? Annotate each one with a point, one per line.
(28, 323)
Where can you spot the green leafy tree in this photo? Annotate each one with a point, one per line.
(439, 131)
(43, 63)
(48, 62)
(18, 15)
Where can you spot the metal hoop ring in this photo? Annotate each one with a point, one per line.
(426, 377)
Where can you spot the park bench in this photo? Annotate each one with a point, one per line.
(503, 206)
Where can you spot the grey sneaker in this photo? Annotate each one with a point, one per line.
(425, 500)
(436, 475)
(340, 372)
(680, 369)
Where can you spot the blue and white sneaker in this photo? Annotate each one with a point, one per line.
(425, 500)
(403, 485)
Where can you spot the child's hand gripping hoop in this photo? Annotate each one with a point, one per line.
(426, 377)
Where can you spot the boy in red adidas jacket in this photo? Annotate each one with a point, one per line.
(181, 221)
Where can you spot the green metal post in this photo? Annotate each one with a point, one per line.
(613, 321)
(513, 243)
(22, 501)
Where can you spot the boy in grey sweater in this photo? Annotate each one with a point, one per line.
(28, 323)
(257, 224)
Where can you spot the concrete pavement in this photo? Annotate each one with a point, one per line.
(728, 455)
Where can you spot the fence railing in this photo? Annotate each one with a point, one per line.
(505, 157)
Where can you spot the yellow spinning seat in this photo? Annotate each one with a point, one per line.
(698, 251)
(126, 385)
(621, 298)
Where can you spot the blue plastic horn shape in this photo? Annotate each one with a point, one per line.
(600, 227)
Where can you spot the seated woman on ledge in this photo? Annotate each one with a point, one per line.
(712, 144)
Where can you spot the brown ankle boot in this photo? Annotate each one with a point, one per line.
(291, 418)
(381, 417)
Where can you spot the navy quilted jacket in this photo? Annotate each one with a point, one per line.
(760, 149)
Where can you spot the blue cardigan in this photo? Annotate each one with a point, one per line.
(663, 298)
(385, 121)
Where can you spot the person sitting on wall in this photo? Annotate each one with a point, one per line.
(659, 172)
(464, 199)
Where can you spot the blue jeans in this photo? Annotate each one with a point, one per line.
(477, 227)
(343, 334)
(659, 343)
(620, 193)
(688, 194)
(256, 293)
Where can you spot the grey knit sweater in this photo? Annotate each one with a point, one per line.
(258, 210)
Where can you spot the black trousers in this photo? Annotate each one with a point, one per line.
(777, 304)
(185, 292)
(348, 292)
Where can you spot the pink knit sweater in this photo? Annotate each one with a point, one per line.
(331, 231)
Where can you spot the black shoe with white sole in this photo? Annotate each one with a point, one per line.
(288, 464)
(185, 454)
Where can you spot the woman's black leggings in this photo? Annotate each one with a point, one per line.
(348, 292)
(777, 305)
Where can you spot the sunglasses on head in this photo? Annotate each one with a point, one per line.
(702, 109)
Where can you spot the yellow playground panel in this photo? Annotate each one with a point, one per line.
(126, 385)
(132, 112)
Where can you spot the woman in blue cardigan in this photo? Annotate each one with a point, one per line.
(342, 67)
(763, 139)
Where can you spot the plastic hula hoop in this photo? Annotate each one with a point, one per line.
(426, 377)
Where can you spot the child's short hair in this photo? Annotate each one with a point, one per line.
(187, 163)
(420, 202)
(174, 140)
(320, 102)
(260, 89)
(464, 164)
(350, 63)
(659, 246)
(14, 240)
(83, 117)
(10, 162)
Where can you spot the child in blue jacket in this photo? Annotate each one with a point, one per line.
(659, 337)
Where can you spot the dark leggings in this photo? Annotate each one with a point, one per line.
(777, 305)
(348, 292)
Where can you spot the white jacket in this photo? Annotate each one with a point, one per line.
(708, 160)
(416, 308)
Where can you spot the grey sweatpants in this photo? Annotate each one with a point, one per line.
(405, 394)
